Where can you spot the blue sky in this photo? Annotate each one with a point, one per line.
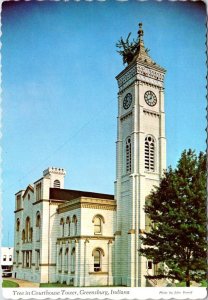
(59, 63)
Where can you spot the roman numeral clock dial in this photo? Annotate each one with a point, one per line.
(150, 98)
(127, 101)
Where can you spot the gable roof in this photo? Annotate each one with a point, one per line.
(29, 188)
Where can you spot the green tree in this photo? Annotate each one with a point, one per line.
(177, 211)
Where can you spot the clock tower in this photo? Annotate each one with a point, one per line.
(141, 159)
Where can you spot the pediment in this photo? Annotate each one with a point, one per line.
(29, 188)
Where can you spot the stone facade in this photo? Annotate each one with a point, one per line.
(63, 235)
(141, 159)
(89, 239)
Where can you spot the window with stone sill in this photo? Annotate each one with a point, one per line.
(149, 152)
(67, 259)
(60, 260)
(38, 191)
(97, 259)
(128, 155)
(74, 220)
(98, 221)
(18, 202)
(17, 258)
(62, 227)
(38, 225)
(149, 265)
(68, 221)
(57, 184)
(27, 229)
(37, 262)
(23, 236)
(18, 225)
(73, 261)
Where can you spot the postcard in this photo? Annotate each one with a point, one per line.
(104, 150)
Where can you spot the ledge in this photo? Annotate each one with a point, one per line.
(18, 210)
(98, 273)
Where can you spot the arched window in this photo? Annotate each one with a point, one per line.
(62, 226)
(67, 259)
(68, 221)
(98, 220)
(74, 220)
(60, 260)
(73, 258)
(149, 152)
(38, 225)
(57, 184)
(27, 229)
(23, 236)
(31, 234)
(18, 225)
(128, 155)
(97, 259)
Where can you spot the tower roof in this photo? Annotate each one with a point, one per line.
(142, 53)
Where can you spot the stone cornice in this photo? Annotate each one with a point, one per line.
(52, 201)
(143, 72)
(85, 202)
(83, 237)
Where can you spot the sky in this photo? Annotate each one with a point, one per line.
(59, 92)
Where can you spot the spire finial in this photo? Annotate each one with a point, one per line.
(140, 32)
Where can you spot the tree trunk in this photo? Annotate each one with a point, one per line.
(187, 279)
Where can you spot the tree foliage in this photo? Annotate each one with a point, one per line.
(128, 49)
(177, 210)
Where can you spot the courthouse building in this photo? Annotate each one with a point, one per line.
(92, 239)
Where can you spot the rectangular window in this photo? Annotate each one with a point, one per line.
(10, 257)
(28, 259)
(23, 259)
(37, 264)
(17, 258)
(4, 257)
(38, 191)
(18, 202)
(149, 265)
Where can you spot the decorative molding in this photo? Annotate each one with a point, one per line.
(84, 202)
(85, 237)
(47, 265)
(151, 113)
(147, 73)
(126, 116)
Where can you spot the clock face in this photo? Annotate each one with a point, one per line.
(127, 101)
(150, 98)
